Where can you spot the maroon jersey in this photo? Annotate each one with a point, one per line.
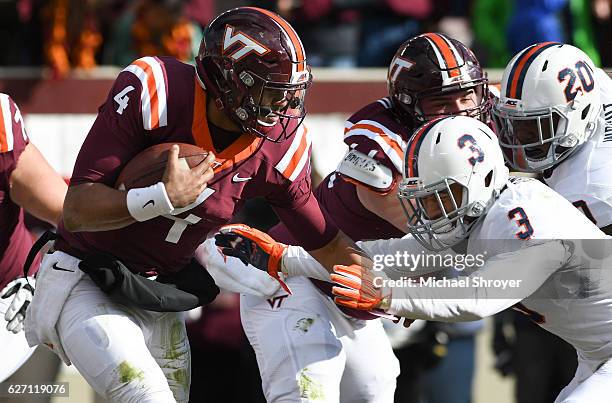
(15, 240)
(160, 100)
(373, 131)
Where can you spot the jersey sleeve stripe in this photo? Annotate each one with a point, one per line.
(151, 73)
(6, 124)
(299, 160)
(392, 144)
(382, 128)
(347, 126)
(385, 102)
(289, 163)
(390, 147)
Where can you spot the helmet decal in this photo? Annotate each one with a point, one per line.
(247, 46)
(397, 65)
(470, 141)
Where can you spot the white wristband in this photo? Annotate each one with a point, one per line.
(150, 202)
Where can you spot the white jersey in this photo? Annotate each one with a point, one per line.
(573, 303)
(572, 300)
(584, 178)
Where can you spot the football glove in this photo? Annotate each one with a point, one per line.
(253, 247)
(355, 288)
(21, 290)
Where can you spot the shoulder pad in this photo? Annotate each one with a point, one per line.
(366, 170)
(154, 103)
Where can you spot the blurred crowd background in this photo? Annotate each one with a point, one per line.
(67, 34)
(437, 360)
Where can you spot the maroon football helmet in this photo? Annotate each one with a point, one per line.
(253, 65)
(431, 65)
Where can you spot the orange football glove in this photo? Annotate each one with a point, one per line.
(355, 288)
(253, 247)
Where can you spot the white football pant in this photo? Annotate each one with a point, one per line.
(309, 351)
(125, 353)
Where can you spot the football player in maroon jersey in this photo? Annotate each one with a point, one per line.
(27, 182)
(244, 101)
(345, 356)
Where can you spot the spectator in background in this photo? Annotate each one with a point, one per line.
(21, 33)
(385, 26)
(152, 27)
(452, 19)
(534, 21)
(580, 28)
(542, 362)
(329, 29)
(72, 37)
(602, 9)
(489, 21)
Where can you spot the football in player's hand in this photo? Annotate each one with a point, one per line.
(147, 167)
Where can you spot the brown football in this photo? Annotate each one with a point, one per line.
(147, 168)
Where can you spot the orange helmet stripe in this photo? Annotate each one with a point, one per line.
(446, 52)
(413, 148)
(517, 75)
(295, 40)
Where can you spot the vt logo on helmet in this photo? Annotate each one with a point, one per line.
(253, 65)
(454, 170)
(549, 105)
(248, 45)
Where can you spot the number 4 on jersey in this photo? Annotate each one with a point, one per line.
(122, 99)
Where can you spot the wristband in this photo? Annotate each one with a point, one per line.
(150, 202)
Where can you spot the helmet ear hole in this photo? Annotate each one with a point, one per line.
(488, 178)
(585, 112)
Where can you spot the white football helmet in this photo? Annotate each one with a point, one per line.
(549, 105)
(454, 170)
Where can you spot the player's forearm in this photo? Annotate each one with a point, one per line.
(503, 281)
(442, 309)
(341, 250)
(95, 207)
(298, 262)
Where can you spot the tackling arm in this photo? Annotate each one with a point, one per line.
(531, 266)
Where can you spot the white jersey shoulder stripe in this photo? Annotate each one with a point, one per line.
(296, 157)
(386, 102)
(6, 124)
(380, 127)
(154, 104)
(389, 144)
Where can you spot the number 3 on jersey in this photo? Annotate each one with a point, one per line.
(522, 221)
